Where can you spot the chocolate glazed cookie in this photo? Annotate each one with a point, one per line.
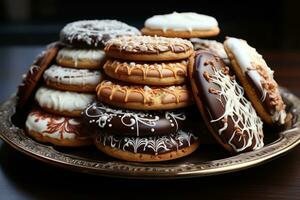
(133, 123)
(229, 116)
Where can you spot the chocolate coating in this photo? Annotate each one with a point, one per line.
(149, 145)
(230, 116)
(133, 123)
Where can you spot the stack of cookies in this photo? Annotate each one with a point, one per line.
(141, 110)
(70, 82)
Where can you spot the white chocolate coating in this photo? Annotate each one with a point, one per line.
(247, 58)
(70, 76)
(62, 100)
(186, 21)
(52, 126)
(94, 55)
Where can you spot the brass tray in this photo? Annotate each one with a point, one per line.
(209, 159)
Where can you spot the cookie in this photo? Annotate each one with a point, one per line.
(212, 46)
(60, 131)
(148, 73)
(148, 48)
(35, 72)
(257, 79)
(63, 102)
(77, 80)
(148, 149)
(229, 116)
(182, 25)
(80, 58)
(140, 97)
(94, 33)
(133, 123)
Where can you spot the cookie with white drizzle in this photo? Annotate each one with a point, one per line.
(94, 33)
(70, 79)
(55, 129)
(148, 149)
(229, 116)
(133, 123)
(257, 79)
(31, 79)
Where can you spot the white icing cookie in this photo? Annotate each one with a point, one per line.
(69, 76)
(61, 101)
(186, 21)
(52, 126)
(79, 57)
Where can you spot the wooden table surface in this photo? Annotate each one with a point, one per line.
(24, 178)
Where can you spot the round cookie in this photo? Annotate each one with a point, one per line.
(229, 116)
(35, 72)
(182, 25)
(148, 149)
(138, 97)
(63, 102)
(212, 46)
(77, 80)
(257, 79)
(148, 73)
(80, 58)
(60, 131)
(148, 48)
(133, 123)
(94, 33)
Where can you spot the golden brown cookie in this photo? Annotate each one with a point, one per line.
(148, 48)
(148, 73)
(148, 149)
(70, 79)
(80, 58)
(35, 72)
(140, 97)
(257, 79)
(60, 131)
(182, 25)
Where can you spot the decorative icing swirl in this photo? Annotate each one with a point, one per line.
(148, 44)
(149, 145)
(134, 123)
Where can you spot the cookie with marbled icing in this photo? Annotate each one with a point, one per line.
(104, 118)
(148, 149)
(228, 114)
(94, 33)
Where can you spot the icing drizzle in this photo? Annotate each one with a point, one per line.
(149, 145)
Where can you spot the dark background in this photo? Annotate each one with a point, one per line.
(267, 25)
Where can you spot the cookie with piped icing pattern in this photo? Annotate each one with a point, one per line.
(58, 130)
(31, 79)
(80, 58)
(147, 73)
(229, 116)
(121, 122)
(139, 97)
(148, 149)
(181, 25)
(94, 33)
(258, 81)
(148, 48)
(71, 79)
(64, 103)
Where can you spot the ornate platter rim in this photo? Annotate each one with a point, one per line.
(16, 138)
